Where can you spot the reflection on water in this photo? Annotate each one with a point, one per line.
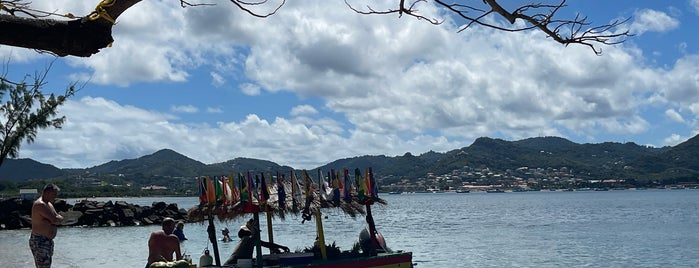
(556, 229)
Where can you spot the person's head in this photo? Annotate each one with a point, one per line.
(225, 231)
(244, 231)
(180, 225)
(50, 192)
(168, 225)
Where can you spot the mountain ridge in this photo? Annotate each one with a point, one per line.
(601, 160)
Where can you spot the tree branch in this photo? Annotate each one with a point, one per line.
(536, 16)
(80, 37)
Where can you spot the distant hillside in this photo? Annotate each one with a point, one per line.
(603, 160)
(165, 162)
(27, 169)
(242, 165)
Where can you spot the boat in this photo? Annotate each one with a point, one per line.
(227, 199)
(494, 191)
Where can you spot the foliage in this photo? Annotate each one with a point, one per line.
(20, 118)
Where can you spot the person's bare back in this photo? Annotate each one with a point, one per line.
(162, 244)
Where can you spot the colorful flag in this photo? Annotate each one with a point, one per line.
(323, 186)
(361, 185)
(226, 190)
(295, 191)
(372, 184)
(347, 187)
(219, 190)
(244, 193)
(252, 188)
(210, 191)
(335, 185)
(264, 191)
(202, 191)
(281, 193)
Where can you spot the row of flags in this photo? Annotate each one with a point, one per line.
(282, 190)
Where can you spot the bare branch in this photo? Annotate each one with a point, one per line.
(410, 11)
(242, 5)
(536, 16)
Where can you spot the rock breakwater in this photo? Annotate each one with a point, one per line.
(15, 213)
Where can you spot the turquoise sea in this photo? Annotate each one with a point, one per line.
(629, 228)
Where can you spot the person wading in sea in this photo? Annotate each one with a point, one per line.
(162, 243)
(44, 221)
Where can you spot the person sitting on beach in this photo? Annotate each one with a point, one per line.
(248, 233)
(162, 243)
(226, 237)
(179, 231)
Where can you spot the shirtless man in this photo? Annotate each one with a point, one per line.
(44, 220)
(163, 243)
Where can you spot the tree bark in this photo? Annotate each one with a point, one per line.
(81, 37)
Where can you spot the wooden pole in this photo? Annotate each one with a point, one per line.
(212, 237)
(372, 229)
(321, 236)
(270, 233)
(258, 241)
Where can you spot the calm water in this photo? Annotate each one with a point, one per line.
(649, 228)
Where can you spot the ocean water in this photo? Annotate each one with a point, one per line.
(642, 228)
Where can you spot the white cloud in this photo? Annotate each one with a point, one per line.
(673, 140)
(188, 109)
(250, 89)
(648, 20)
(695, 5)
(217, 80)
(392, 79)
(214, 110)
(303, 110)
(674, 115)
(110, 131)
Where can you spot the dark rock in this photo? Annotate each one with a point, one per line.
(15, 213)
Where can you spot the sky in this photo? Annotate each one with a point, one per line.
(317, 82)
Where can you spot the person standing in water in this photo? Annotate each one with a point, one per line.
(179, 231)
(44, 229)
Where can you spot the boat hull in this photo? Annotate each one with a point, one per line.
(383, 260)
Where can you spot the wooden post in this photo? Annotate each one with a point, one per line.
(372, 229)
(321, 236)
(270, 233)
(258, 241)
(212, 237)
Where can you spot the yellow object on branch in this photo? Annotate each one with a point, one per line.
(100, 12)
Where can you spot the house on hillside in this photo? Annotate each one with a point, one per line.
(154, 187)
(28, 193)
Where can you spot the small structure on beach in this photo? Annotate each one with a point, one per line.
(28, 193)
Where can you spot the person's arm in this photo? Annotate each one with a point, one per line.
(178, 253)
(48, 213)
(274, 246)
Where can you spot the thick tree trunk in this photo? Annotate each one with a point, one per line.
(80, 37)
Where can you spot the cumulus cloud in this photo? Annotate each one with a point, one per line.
(673, 140)
(648, 20)
(674, 115)
(250, 89)
(303, 110)
(114, 132)
(396, 85)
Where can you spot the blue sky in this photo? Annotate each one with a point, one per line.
(317, 82)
